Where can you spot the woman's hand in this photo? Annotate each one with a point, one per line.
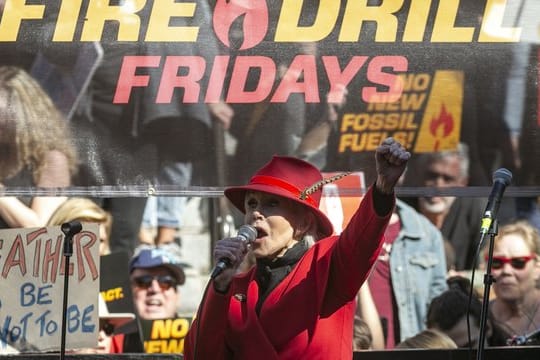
(223, 112)
(391, 160)
(234, 249)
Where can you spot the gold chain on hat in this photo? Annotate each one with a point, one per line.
(319, 184)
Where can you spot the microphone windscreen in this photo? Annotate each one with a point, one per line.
(248, 232)
(72, 227)
(503, 175)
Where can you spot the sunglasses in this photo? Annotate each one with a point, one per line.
(107, 327)
(517, 263)
(165, 281)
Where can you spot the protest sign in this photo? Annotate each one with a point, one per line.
(165, 335)
(114, 284)
(341, 198)
(430, 74)
(32, 264)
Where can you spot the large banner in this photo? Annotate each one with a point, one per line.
(147, 85)
(32, 264)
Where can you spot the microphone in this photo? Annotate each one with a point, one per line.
(501, 179)
(71, 228)
(247, 234)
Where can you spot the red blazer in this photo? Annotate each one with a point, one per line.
(309, 315)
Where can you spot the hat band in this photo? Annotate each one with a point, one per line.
(270, 180)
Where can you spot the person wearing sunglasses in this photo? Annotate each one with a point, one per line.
(516, 269)
(155, 274)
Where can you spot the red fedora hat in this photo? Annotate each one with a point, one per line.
(291, 178)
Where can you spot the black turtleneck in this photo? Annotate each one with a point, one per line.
(270, 272)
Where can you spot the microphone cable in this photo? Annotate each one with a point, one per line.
(471, 294)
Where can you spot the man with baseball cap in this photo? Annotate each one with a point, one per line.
(155, 274)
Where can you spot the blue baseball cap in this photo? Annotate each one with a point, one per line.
(166, 255)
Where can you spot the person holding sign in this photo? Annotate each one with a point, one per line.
(298, 300)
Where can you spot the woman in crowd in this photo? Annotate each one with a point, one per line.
(36, 149)
(428, 339)
(85, 210)
(516, 269)
(298, 301)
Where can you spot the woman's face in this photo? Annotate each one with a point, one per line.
(104, 248)
(155, 300)
(511, 283)
(275, 219)
(104, 343)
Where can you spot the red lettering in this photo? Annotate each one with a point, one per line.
(214, 88)
(30, 237)
(301, 66)
(15, 257)
(83, 243)
(237, 92)
(339, 79)
(376, 75)
(127, 79)
(51, 259)
(170, 80)
(253, 78)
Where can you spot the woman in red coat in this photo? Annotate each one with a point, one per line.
(298, 301)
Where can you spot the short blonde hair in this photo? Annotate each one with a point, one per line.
(84, 210)
(428, 339)
(525, 230)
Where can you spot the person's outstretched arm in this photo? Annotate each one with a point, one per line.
(360, 242)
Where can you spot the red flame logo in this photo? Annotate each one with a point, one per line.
(254, 24)
(441, 126)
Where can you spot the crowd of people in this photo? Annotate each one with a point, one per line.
(397, 277)
(408, 292)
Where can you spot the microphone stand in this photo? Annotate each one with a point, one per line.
(488, 281)
(69, 231)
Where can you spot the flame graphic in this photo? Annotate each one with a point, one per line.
(441, 126)
(254, 24)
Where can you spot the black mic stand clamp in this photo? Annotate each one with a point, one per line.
(488, 281)
(69, 229)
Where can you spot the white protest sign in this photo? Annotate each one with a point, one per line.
(32, 264)
(341, 198)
